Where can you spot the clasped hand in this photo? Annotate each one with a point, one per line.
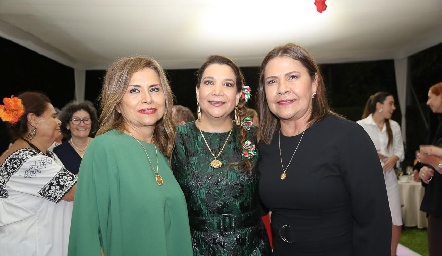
(389, 162)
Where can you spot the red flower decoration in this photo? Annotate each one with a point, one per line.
(12, 110)
(320, 5)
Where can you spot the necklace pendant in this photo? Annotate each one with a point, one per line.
(159, 179)
(216, 163)
(283, 175)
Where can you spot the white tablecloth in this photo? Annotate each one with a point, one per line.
(411, 193)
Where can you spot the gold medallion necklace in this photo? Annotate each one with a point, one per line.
(215, 163)
(158, 177)
(283, 175)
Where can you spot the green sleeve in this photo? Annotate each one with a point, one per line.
(85, 238)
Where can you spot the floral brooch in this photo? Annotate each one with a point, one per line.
(246, 93)
(249, 150)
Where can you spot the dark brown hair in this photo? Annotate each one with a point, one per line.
(269, 123)
(247, 164)
(34, 102)
(370, 108)
(68, 111)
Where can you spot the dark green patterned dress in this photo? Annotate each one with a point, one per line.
(223, 204)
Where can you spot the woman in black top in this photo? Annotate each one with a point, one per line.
(432, 180)
(319, 173)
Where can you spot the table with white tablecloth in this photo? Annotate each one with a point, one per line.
(411, 193)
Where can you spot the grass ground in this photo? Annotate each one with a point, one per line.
(415, 239)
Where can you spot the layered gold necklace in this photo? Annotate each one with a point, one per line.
(215, 163)
(158, 177)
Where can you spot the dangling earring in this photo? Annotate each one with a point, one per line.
(31, 134)
(198, 111)
(237, 118)
(314, 95)
(380, 110)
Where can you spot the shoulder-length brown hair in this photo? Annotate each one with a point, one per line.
(33, 102)
(115, 84)
(269, 123)
(370, 108)
(247, 164)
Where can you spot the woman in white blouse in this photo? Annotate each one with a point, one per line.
(36, 191)
(386, 136)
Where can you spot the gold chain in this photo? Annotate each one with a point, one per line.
(283, 175)
(215, 162)
(158, 178)
(79, 150)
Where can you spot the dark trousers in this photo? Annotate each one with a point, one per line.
(434, 236)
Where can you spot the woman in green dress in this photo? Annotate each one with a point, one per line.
(214, 162)
(128, 202)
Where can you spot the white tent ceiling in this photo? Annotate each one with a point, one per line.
(90, 34)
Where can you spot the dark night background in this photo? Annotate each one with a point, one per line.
(348, 85)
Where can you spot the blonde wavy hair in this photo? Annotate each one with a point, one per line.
(114, 87)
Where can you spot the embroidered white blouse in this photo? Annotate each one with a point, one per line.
(33, 218)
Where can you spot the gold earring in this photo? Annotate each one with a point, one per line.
(198, 111)
(31, 134)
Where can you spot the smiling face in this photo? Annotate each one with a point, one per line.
(434, 102)
(289, 89)
(217, 93)
(48, 124)
(80, 130)
(387, 107)
(143, 103)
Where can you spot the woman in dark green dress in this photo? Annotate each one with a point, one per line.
(214, 162)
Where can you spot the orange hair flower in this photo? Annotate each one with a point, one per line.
(12, 110)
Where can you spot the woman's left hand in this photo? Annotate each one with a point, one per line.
(389, 163)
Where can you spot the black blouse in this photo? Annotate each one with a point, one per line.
(333, 200)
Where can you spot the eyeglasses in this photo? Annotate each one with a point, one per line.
(77, 121)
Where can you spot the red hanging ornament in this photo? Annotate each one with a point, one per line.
(320, 5)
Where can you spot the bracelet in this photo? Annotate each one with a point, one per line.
(429, 179)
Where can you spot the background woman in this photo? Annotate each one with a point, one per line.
(386, 136)
(79, 123)
(128, 201)
(431, 179)
(320, 174)
(35, 189)
(214, 162)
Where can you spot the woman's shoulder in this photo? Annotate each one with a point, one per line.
(339, 126)
(22, 155)
(186, 128)
(110, 139)
(62, 147)
(394, 124)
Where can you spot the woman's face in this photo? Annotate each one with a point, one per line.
(387, 107)
(434, 102)
(288, 88)
(144, 102)
(217, 94)
(80, 124)
(48, 124)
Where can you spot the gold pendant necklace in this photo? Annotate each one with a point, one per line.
(158, 177)
(215, 163)
(284, 175)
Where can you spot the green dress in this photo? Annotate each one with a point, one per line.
(119, 206)
(223, 204)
